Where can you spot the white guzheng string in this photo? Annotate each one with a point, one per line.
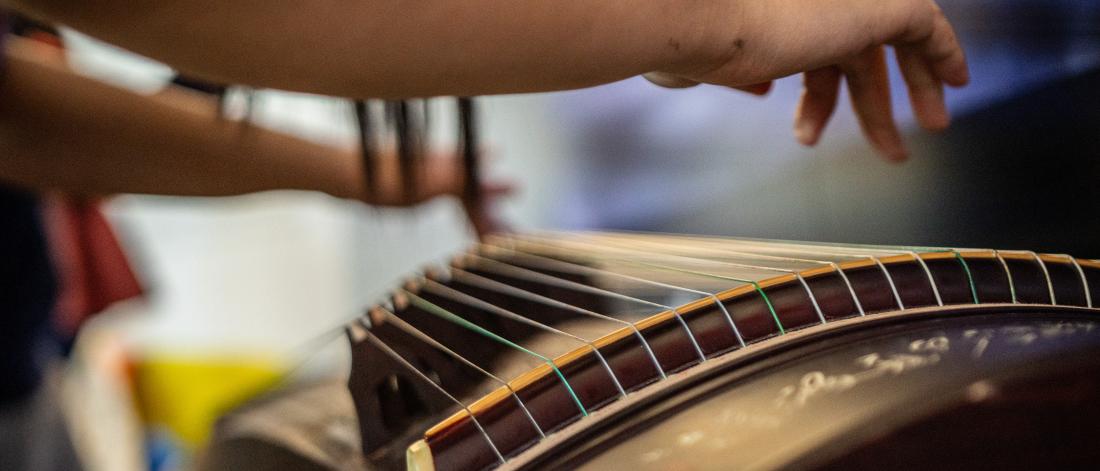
(558, 264)
(523, 273)
(584, 270)
(715, 257)
(697, 267)
(489, 284)
(1012, 284)
(534, 297)
(369, 337)
(1081, 273)
(460, 321)
(407, 328)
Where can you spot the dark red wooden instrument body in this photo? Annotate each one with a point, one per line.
(458, 444)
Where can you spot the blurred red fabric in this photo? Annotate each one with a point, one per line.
(91, 267)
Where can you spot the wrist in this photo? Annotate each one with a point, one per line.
(710, 35)
(346, 180)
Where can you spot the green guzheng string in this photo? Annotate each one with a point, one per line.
(438, 311)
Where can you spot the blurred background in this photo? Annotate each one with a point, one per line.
(243, 293)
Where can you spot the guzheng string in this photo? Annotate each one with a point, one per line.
(647, 272)
(472, 301)
(378, 343)
(833, 264)
(1008, 275)
(462, 322)
(699, 267)
(523, 273)
(1046, 274)
(497, 286)
(817, 250)
(913, 251)
(969, 276)
(843, 276)
(795, 273)
(404, 126)
(409, 329)
(659, 266)
(963, 263)
(1081, 273)
(755, 285)
(924, 266)
(580, 269)
(855, 298)
(600, 251)
(904, 250)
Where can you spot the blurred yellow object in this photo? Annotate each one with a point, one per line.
(187, 394)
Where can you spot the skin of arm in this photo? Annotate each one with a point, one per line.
(61, 131)
(390, 48)
(404, 48)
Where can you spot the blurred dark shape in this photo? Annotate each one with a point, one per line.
(199, 85)
(1021, 18)
(1025, 172)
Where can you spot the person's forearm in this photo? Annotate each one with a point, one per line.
(64, 132)
(399, 48)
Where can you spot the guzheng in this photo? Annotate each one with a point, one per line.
(647, 351)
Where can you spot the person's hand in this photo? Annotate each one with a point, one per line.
(436, 175)
(827, 40)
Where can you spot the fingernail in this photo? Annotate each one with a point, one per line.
(805, 132)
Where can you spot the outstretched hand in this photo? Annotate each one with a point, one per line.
(830, 39)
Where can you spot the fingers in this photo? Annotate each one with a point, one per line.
(944, 54)
(869, 88)
(925, 89)
(819, 94)
(934, 39)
